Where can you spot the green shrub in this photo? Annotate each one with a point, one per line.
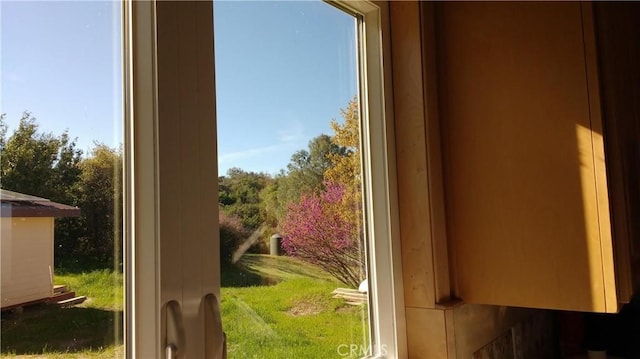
(232, 233)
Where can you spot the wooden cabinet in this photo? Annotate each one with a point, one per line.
(531, 177)
(618, 44)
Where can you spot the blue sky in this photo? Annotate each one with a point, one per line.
(61, 62)
(283, 71)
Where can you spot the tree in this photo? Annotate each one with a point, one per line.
(38, 164)
(49, 166)
(67, 169)
(305, 174)
(324, 225)
(239, 196)
(315, 230)
(305, 171)
(100, 198)
(347, 169)
(3, 132)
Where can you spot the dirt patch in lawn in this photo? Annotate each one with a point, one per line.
(304, 308)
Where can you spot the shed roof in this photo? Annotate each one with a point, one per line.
(14, 204)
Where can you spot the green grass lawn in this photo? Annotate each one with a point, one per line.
(90, 330)
(293, 318)
(272, 307)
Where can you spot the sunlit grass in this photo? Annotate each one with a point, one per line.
(103, 288)
(113, 352)
(92, 329)
(272, 307)
(295, 318)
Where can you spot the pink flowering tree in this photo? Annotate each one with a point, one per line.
(316, 230)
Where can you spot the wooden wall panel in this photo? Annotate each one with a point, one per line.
(476, 326)
(520, 169)
(442, 267)
(599, 164)
(411, 160)
(618, 33)
(426, 333)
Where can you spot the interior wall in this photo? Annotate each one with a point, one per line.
(438, 325)
(526, 199)
(490, 332)
(618, 36)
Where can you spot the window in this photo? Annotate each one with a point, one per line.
(170, 257)
(293, 239)
(171, 155)
(60, 173)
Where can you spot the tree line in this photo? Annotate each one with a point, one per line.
(315, 203)
(51, 166)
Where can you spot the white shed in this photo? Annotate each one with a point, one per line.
(26, 246)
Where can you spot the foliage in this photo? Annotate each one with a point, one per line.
(49, 166)
(315, 230)
(323, 225)
(272, 207)
(100, 198)
(305, 174)
(306, 169)
(93, 240)
(346, 169)
(239, 196)
(3, 131)
(242, 212)
(38, 164)
(232, 234)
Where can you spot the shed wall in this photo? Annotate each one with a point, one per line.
(26, 259)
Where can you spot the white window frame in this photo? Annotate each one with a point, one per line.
(143, 283)
(140, 252)
(388, 333)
